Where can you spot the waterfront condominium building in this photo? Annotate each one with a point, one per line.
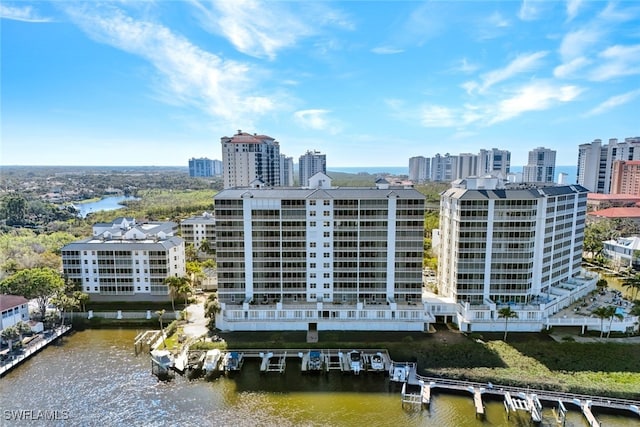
(309, 164)
(467, 165)
(541, 167)
(595, 162)
(519, 245)
(247, 157)
(625, 177)
(419, 169)
(200, 231)
(125, 260)
(443, 168)
(204, 167)
(286, 171)
(493, 161)
(320, 258)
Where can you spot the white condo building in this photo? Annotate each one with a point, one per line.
(419, 169)
(247, 157)
(126, 261)
(320, 258)
(309, 164)
(198, 230)
(494, 161)
(286, 171)
(541, 167)
(595, 161)
(519, 246)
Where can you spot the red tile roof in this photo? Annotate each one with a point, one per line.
(598, 196)
(617, 213)
(10, 301)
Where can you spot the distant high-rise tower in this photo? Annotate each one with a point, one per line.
(626, 177)
(286, 171)
(493, 161)
(541, 167)
(467, 165)
(202, 167)
(419, 169)
(247, 157)
(443, 168)
(595, 162)
(310, 164)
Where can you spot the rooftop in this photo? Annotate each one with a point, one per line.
(633, 212)
(11, 301)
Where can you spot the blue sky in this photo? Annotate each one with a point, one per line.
(367, 83)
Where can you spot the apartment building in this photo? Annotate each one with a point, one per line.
(198, 230)
(247, 157)
(320, 258)
(419, 169)
(625, 177)
(596, 162)
(541, 166)
(517, 245)
(204, 167)
(494, 161)
(309, 164)
(286, 171)
(125, 260)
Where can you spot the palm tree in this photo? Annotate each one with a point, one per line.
(185, 289)
(160, 313)
(507, 314)
(633, 283)
(604, 313)
(174, 284)
(613, 313)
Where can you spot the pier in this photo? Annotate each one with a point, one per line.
(47, 338)
(272, 362)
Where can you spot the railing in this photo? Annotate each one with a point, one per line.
(34, 349)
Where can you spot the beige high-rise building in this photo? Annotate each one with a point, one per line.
(625, 177)
(246, 158)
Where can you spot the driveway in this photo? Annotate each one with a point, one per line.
(197, 323)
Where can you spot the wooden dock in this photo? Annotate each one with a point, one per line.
(477, 402)
(32, 349)
(586, 411)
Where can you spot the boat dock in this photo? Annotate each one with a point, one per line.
(273, 362)
(477, 401)
(47, 338)
(147, 341)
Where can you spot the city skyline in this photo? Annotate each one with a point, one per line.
(157, 83)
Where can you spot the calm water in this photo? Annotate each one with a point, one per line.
(95, 379)
(106, 204)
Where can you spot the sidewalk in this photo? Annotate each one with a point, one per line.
(197, 323)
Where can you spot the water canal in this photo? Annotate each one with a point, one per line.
(94, 379)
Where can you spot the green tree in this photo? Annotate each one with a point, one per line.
(160, 314)
(22, 328)
(604, 312)
(82, 298)
(211, 308)
(10, 334)
(507, 313)
(40, 284)
(613, 313)
(174, 284)
(65, 303)
(633, 284)
(15, 209)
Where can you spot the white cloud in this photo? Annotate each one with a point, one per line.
(521, 64)
(256, 28)
(464, 66)
(529, 10)
(437, 116)
(568, 69)
(534, 96)
(189, 75)
(316, 119)
(617, 61)
(576, 43)
(23, 13)
(386, 50)
(573, 7)
(614, 101)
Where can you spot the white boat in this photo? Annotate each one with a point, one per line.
(212, 361)
(316, 361)
(400, 373)
(355, 361)
(163, 359)
(233, 361)
(377, 362)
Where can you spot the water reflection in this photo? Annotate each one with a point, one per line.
(95, 376)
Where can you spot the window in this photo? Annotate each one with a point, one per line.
(312, 265)
(327, 275)
(326, 202)
(327, 234)
(312, 224)
(312, 213)
(327, 255)
(312, 275)
(326, 244)
(327, 286)
(326, 213)
(326, 224)
(326, 265)
(312, 255)
(312, 202)
(312, 244)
